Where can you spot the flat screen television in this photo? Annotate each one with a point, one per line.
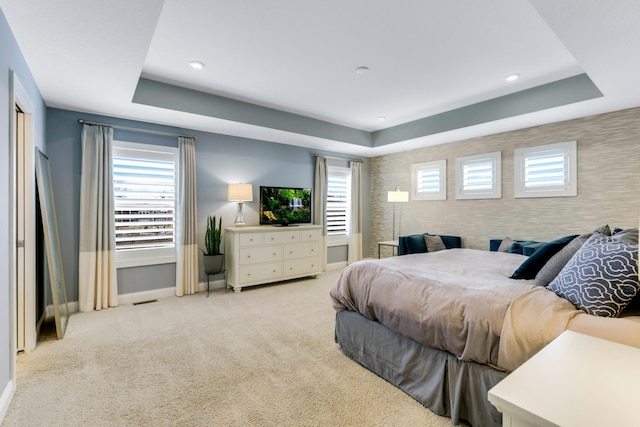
(285, 205)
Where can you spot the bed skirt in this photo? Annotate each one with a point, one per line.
(435, 378)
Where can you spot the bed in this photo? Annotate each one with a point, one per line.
(447, 326)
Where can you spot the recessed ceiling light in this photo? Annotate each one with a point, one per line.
(362, 70)
(512, 77)
(197, 65)
(381, 119)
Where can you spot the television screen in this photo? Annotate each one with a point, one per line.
(285, 205)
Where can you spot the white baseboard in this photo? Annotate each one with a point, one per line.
(5, 399)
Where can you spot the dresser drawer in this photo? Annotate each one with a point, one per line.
(301, 250)
(280, 237)
(260, 272)
(309, 235)
(297, 267)
(260, 254)
(251, 239)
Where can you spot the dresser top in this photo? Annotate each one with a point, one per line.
(264, 228)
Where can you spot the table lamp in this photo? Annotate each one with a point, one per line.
(240, 193)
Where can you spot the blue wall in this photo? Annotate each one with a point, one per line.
(11, 59)
(220, 160)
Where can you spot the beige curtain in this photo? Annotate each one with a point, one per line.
(355, 219)
(320, 205)
(97, 273)
(186, 220)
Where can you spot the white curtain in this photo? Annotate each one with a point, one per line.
(320, 204)
(355, 219)
(186, 220)
(97, 280)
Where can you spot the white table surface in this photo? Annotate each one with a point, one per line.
(576, 380)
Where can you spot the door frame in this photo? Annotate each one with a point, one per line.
(19, 98)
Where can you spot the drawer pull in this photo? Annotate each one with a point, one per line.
(290, 252)
(312, 250)
(293, 237)
(274, 271)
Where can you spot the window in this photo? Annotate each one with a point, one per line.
(144, 187)
(478, 177)
(429, 180)
(546, 171)
(338, 205)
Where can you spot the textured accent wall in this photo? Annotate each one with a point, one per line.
(608, 186)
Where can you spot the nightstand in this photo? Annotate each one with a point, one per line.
(576, 380)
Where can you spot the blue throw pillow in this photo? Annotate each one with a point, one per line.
(530, 267)
(517, 247)
(601, 278)
(413, 244)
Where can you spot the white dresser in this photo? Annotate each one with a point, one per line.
(265, 254)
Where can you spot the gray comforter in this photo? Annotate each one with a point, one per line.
(456, 300)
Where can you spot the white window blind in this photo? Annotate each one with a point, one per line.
(144, 192)
(338, 203)
(144, 181)
(428, 180)
(546, 171)
(478, 177)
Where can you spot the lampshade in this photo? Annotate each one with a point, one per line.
(240, 193)
(397, 196)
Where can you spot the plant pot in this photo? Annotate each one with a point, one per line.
(213, 263)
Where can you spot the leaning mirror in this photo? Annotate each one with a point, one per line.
(52, 244)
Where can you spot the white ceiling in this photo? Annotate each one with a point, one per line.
(425, 57)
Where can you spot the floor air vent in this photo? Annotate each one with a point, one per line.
(145, 302)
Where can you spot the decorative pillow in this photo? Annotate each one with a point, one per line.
(413, 244)
(629, 236)
(517, 247)
(604, 230)
(434, 243)
(532, 265)
(557, 262)
(505, 244)
(601, 278)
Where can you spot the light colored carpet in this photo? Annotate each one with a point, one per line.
(265, 357)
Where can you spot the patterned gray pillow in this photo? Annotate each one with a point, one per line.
(601, 278)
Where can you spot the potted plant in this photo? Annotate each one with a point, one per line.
(212, 258)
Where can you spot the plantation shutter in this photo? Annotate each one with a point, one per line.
(144, 192)
(338, 201)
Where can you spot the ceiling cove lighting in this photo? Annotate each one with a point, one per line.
(197, 65)
(512, 77)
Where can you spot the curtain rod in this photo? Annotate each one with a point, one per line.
(338, 158)
(155, 132)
